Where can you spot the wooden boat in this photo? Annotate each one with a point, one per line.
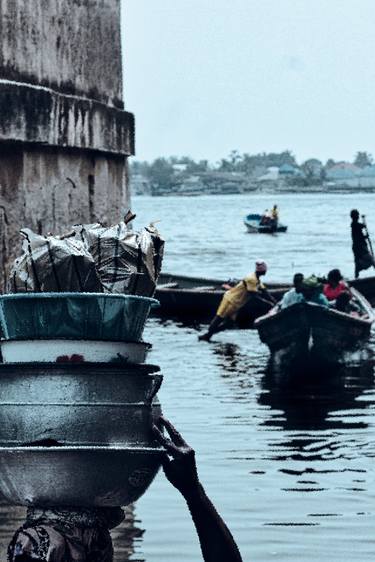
(253, 225)
(197, 298)
(307, 326)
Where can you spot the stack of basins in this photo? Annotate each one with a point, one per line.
(77, 400)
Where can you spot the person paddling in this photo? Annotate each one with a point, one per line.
(235, 298)
(362, 250)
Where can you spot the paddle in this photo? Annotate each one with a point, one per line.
(368, 238)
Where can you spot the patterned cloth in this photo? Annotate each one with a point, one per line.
(65, 535)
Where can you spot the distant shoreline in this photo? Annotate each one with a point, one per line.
(319, 189)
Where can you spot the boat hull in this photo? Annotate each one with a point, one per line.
(287, 329)
(254, 226)
(307, 327)
(196, 298)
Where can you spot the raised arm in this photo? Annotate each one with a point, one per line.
(216, 541)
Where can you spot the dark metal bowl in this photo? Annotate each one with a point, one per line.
(77, 476)
(78, 404)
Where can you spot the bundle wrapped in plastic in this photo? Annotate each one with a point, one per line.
(51, 264)
(126, 261)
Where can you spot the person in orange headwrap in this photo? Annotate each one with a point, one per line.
(234, 299)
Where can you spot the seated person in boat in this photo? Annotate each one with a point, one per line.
(293, 296)
(235, 297)
(335, 285)
(266, 217)
(312, 291)
(345, 303)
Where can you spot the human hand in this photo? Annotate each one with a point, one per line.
(181, 469)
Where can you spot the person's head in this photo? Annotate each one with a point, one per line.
(310, 286)
(342, 301)
(275, 207)
(297, 282)
(354, 214)
(334, 277)
(260, 268)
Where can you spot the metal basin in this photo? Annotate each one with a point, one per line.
(77, 476)
(78, 404)
(89, 316)
(45, 351)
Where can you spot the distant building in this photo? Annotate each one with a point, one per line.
(140, 185)
(343, 171)
(272, 174)
(288, 170)
(179, 167)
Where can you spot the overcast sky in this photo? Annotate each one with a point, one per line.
(204, 77)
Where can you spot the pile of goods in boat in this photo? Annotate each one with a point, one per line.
(77, 400)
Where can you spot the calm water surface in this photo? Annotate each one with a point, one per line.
(289, 463)
(287, 460)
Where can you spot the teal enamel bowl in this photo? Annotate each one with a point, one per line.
(89, 316)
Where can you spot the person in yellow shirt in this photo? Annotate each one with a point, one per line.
(234, 299)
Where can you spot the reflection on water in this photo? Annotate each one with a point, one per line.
(286, 456)
(313, 396)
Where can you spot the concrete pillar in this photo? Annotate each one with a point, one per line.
(64, 134)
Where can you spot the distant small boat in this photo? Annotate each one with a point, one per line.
(253, 224)
(307, 326)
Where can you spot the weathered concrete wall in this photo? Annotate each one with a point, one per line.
(64, 137)
(39, 115)
(73, 46)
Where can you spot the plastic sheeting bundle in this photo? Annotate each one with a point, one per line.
(51, 264)
(126, 261)
(93, 258)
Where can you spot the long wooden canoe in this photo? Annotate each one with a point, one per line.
(197, 298)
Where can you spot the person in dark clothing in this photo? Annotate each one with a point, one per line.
(64, 534)
(363, 257)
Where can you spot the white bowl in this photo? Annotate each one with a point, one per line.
(77, 351)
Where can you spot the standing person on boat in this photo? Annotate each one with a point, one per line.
(293, 296)
(363, 255)
(275, 213)
(234, 299)
(335, 285)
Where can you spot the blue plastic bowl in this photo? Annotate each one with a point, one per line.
(90, 316)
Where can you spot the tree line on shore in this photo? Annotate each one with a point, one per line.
(164, 173)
